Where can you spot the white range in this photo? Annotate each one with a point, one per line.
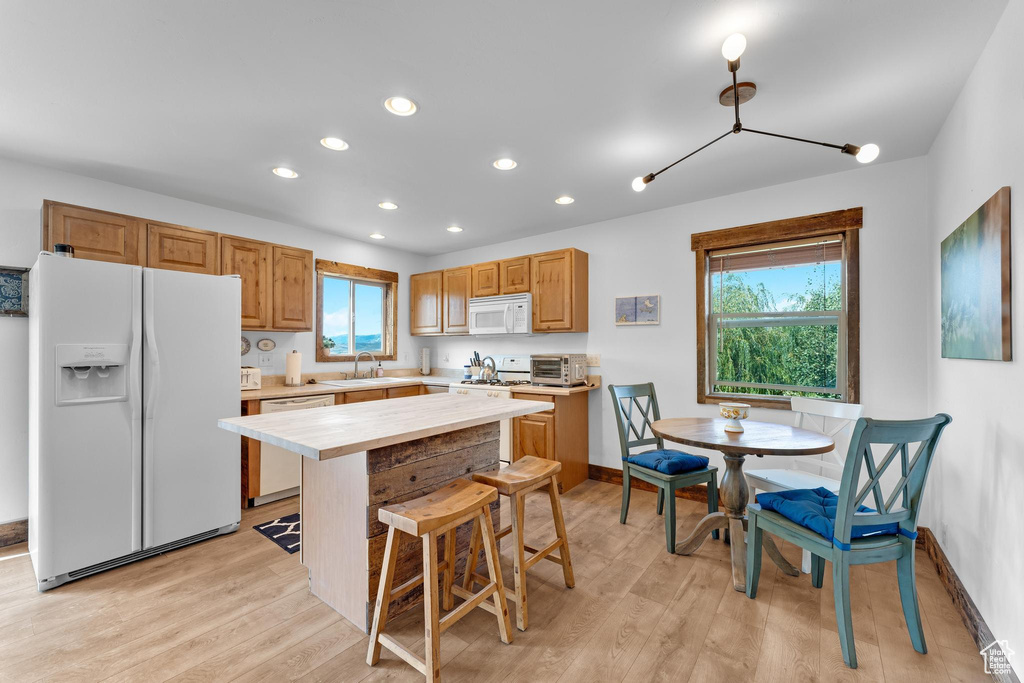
(512, 371)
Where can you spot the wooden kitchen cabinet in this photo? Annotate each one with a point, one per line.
(534, 435)
(560, 434)
(293, 288)
(172, 247)
(485, 279)
(514, 275)
(559, 286)
(425, 303)
(456, 300)
(251, 260)
(400, 392)
(366, 395)
(95, 235)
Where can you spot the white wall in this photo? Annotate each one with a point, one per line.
(22, 190)
(650, 254)
(974, 494)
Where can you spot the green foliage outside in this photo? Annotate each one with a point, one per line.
(800, 355)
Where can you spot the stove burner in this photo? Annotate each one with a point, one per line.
(496, 382)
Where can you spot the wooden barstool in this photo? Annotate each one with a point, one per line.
(515, 481)
(428, 517)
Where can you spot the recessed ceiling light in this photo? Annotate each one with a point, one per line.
(505, 164)
(337, 144)
(400, 106)
(376, 236)
(564, 199)
(454, 228)
(285, 172)
(388, 206)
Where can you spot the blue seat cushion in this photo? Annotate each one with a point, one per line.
(815, 509)
(668, 461)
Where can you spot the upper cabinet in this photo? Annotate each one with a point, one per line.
(559, 286)
(456, 300)
(95, 235)
(251, 260)
(558, 281)
(293, 289)
(173, 247)
(277, 281)
(485, 279)
(515, 275)
(425, 303)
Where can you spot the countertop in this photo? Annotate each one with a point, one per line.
(323, 433)
(282, 391)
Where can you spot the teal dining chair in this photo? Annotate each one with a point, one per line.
(666, 469)
(838, 528)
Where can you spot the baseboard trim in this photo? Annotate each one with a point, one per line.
(613, 476)
(969, 613)
(12, 533)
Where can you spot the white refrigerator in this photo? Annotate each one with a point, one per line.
(129, 370)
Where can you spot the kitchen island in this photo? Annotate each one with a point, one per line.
(358, 457)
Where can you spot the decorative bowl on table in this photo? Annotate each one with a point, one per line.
(734, 412)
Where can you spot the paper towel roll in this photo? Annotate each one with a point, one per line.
(293, 369)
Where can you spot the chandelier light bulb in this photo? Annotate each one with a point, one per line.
(639, 184)
(734, 46)
(867, 153)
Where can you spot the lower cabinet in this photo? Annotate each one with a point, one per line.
(558, 434)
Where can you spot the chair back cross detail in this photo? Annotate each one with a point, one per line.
(637, 407)
(902, 504)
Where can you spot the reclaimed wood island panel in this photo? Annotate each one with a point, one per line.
(360, 457)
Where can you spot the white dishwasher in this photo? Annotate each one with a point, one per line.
(281, 470)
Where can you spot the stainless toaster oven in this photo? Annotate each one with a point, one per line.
(559, 369)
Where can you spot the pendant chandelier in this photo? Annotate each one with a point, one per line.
(738, 93)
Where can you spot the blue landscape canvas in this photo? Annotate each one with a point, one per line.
(975, 269)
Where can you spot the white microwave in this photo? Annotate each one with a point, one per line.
(511, 314)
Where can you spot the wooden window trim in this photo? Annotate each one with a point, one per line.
(846, 222)
(347, 270)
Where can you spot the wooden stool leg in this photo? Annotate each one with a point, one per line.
(380, 613)
(447, 601)
(474, 553)
(494, 569)
(519, 558)
(431, 618)
(556, 511)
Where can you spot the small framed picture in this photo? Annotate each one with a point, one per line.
(638, 310)
(13, 291)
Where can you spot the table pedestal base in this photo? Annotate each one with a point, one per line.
(733, 496)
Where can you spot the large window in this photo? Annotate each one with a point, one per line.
(778, 311)
(355, 311)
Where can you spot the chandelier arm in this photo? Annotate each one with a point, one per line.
(652, 176)
(736, 102)
(790, 137)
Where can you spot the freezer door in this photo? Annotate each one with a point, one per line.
(191, 468)
(85, 431)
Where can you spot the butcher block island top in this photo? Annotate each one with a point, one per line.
(324, 433)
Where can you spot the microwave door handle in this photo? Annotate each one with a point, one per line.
(509, 318)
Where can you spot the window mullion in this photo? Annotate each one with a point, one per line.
(352, 317)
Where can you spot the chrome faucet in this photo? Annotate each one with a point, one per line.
(355, 372)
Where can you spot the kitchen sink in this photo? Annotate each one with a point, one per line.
(369, 381)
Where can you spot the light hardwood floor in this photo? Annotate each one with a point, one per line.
(237, 608)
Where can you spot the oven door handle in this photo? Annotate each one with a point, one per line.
(509, 318)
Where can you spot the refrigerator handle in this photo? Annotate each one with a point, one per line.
(152, 356)
(135, 409)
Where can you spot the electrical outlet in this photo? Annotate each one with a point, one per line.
(405, 357)
(445, 358)
(266, 360)
(593, 360)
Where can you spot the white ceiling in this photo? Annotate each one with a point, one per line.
(200, 100)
